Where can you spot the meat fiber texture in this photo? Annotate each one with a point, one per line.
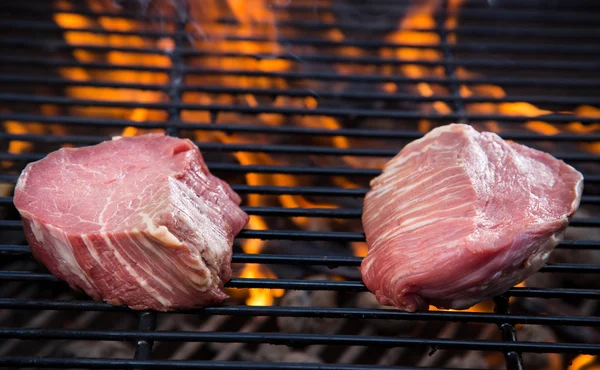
(459, 216)
(138, 221)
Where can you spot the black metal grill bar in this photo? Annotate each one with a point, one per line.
(58, 63)
(143, 347)
(334, 112)
(101, 363)
(325, 171)
(511, 15)
(324, 94)
(584, 222)
(329, 261)
(315, 212)
(15, 249)
(449, 70)
(357, 286)
(376, 78)
(371, 60)
(285, 149)
(176, 77)
(305, 212)
(512, 357)
(45, 26)
(315, 191)
(333, 285)
(482, 63)
(357, 95)
(579, 244)
(515, 30)
(478, 14)
(298, 339)
(242, 128)
(60, 45)
(292, 311)
(351, 261)
(258, 234)
(534, 48)
(320, 191)
(224, 167)
(49, 80)
(314, 235)
(147, 320)
(565, 244)
(43, 9)
(371, 78)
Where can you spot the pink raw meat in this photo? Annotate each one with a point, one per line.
(138, 221)
(459, 216)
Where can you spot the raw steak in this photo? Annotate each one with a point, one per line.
(137, 221)
(459, 216)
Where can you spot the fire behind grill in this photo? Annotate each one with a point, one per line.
(297, 106)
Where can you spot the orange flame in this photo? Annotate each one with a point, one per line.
(585, 362)
(76, 37)
(419, 16)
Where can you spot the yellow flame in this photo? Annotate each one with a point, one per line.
(80, 22)
(584, 362)
(260, 297)
(419, 16)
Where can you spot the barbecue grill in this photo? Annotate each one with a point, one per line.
(298, 104)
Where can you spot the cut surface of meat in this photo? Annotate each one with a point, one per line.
(138, 221)
(459, 216)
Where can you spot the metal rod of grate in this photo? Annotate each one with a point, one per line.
(516, 64)
(43, 8)
(336, 261)
(97, 363)
(334, 112)
(517, 30)
(298, 339)
(473, 31)
(309, 212)
(370, 44)
(531, 48)
(147, 320)
(321, 312)
(325, 171)
(323, 94)
(288, 149)
(330, 59)
(504, 14)
(332, 285)
(243, 128)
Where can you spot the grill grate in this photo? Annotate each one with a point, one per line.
(545, 58)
